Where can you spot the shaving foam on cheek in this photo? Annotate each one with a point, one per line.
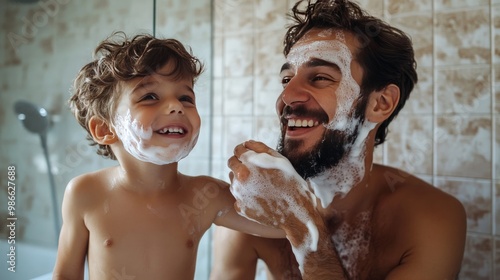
(347, 173)
(135, 138)
(258, 187)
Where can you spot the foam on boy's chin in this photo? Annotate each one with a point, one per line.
(134, 137)
(256, 188)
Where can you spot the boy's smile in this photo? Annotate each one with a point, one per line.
(156, 117)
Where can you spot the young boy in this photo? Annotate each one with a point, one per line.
(141, 219)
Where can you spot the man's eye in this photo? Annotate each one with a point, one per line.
(285, 80)
(321, 78)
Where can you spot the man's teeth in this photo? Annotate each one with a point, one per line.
(171, 130)
(302, 123)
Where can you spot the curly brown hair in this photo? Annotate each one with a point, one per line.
(385, 52)
(118, 59)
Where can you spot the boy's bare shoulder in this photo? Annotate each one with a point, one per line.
(204, 180)
(90, 185)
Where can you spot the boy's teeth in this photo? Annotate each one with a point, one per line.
(172, 130)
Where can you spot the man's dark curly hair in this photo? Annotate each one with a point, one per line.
(96, 88)
(385, 53)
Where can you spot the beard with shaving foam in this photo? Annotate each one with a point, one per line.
(329, 150)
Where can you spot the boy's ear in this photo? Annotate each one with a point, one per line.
(101, 132)
(382, 103)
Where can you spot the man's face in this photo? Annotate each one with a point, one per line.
(319, 107)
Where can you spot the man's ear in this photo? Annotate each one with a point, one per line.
(382, 103)
(101, 132)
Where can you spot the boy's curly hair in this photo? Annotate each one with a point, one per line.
(117, 59)
(385, 52)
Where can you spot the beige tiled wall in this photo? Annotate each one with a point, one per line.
(448, 133)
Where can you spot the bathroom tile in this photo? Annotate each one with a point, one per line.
(471, 136)
(238, 16)
(218, 132)
(267, 130)
(218, 97)
(408, 6)
(269, 53)
(378, 154)
(236, 131)
(477, 262)
(218, 57)
(463, 37)
(497, 209)
(497, 150)
(270, 14)
(421, 99)
(410, 144)
(238, 96)
(373, 7)
(496, 261)
(495, 11)
(267, 89)
(419, 28)
(238, 54)
(496, 87)
(447, 4)
(476, 197)
(464, 90)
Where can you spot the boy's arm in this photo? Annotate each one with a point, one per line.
(234, 256)
(73, 239)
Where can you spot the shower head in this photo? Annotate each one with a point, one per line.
(34, 118)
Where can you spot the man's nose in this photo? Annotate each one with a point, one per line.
(295, 92)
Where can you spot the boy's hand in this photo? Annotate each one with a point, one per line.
(269, 190)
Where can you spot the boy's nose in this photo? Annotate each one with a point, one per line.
(174, 107)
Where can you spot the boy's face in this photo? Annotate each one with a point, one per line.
(156, 117)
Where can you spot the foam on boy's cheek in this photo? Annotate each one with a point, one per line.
(134, 137)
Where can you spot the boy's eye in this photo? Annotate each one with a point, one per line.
(187, 98)
(149, 96)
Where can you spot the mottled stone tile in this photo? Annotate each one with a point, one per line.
(238, 16)
(464, 90)
(476, 197)
(269, 55)
(217, 148)
(236, 131)
(267, 130)
(421, 100)
(238, 54)
(410, 144)
(464, 146)
(218, 97)
(267, 89)
(238, 96)
(270, 15)
(495, 11)
(419, 28)
(373, 7)
(477, 262)
(462, 37)
(496, 87)
(408, 6)
(496, 261)
(378, 154)
(497, 150)
(497, 210)
(447, 4)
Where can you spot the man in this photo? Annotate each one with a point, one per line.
(346, 77)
